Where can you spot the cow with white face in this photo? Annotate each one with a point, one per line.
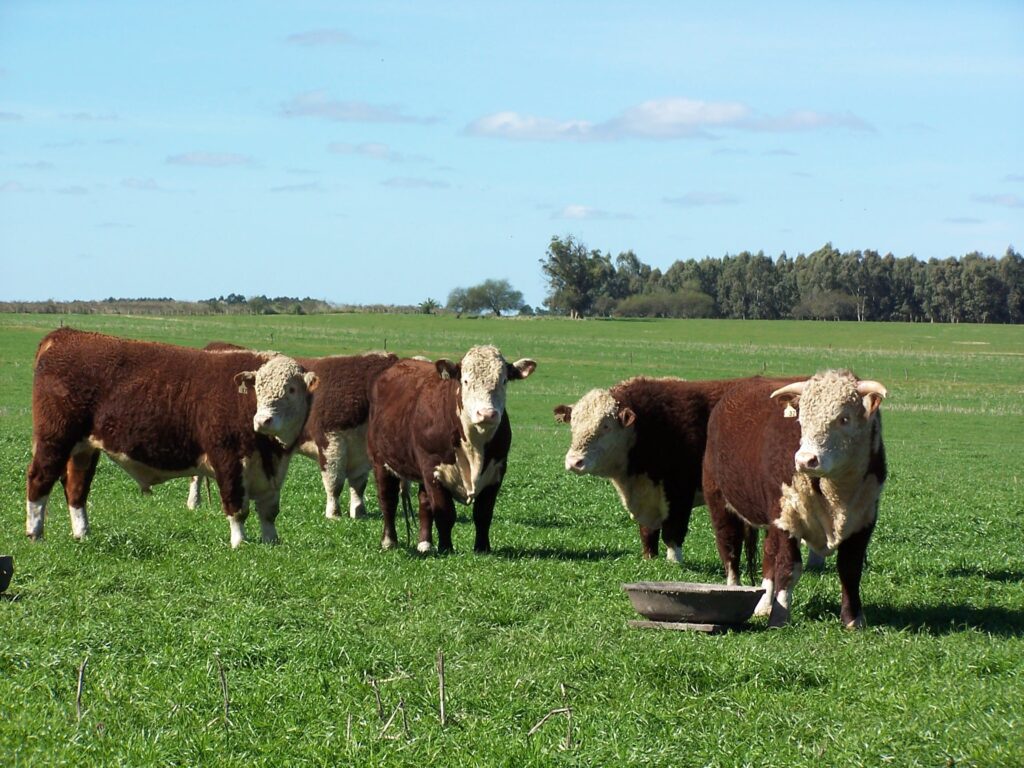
(445, 426)
(806, 461)
(647, 437)
(160, 412)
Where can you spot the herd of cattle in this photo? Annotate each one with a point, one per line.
(801, 457)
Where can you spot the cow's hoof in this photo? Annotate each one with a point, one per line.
(34, 536)
(388, 543)
(764, 605)
(424, 547)
(331, 514)
(357, 512)
(857, 623)
(674, 554)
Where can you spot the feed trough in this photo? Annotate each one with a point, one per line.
(699, 607)
(6, 571)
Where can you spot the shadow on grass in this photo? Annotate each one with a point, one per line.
(1003, 575)
(932, 619)
(551, 553)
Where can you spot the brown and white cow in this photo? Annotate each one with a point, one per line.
(335, 432)
(445, 426)
(806, 461)
(160, 412)
(647, 436)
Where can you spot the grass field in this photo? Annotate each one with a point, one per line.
(309, 633)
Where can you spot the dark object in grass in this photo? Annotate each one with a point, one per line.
(689, 603)
(6, 571)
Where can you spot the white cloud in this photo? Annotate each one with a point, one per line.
(407, 182)
(701, 199)
(210, 159)
(319, 104)
(13, 187)
(657, 119)
(143, 185)
(1014, 177)
(374, 151)
(74, 189)
(313, 186)
(91, 117)
(10, 117)
(322, 37)
(1006, 201)
(585, 212)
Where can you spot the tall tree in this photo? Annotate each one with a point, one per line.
(576, 277)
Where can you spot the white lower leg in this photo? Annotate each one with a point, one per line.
(674, 552)
(237, 524)
(764, 605)
(330, 480)
(424, 547)
(35, 517)
(732, 577)
(356, 505)
(194, 497)
(79, 522)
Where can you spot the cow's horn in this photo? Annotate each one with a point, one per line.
(796, 388)
(871, 388)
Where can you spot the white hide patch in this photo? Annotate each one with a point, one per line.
(237, 525)
(79, 522)
(644, 499)
(35, 517)
(827, 517)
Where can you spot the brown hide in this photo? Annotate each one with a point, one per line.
(162, 408)
(749, 458)
(343, 398)
(414, 427)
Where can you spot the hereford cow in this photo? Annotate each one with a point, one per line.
(335, 432)
(806, 461)
(161, 411)
(445, 426)
(647, 436)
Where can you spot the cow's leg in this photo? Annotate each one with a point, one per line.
(425, 542)
(77, 479)
(649, 541)
(268, 506)
(729, 541)
(483, 513)
(771, 548)
(387, 495)
(443, 509)
(356, 493)
(49, 462)
(233, 500)
(850, 564)
(195, 496)
(677, 524)
(332, 460)
(787, 573)
(815, 560)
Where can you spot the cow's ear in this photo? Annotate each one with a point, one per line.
(446, 369)
(789, 396)
(520, 369)
(627, 416)
(563, 414)
(873, 394)
(312, 381)
(244, 377)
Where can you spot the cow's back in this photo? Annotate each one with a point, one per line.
(343, 398)
(750, 448)
(412, 412)
(158, 403)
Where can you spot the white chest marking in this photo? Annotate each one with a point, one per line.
(643, 498)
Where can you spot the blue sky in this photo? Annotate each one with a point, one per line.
(389, 152)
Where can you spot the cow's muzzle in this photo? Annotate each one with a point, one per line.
(575, 463)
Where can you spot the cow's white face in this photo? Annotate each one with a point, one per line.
(602, 434)
(483, 377)
(282, 401)
(835, 412)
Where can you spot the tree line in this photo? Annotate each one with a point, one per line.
(826, 284)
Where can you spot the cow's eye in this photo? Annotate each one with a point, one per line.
(844, 420)
(291, 390)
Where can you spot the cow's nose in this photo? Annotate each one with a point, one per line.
(263, 422)
(807, 460)
(484, 415)
(574, 463)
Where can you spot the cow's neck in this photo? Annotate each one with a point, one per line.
(471, 472)
(827, 510)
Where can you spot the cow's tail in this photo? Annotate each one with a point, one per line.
(407, 511)
(750, 543)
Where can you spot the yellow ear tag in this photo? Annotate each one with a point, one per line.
(790, 412)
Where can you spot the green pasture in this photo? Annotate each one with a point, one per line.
(322, 639)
